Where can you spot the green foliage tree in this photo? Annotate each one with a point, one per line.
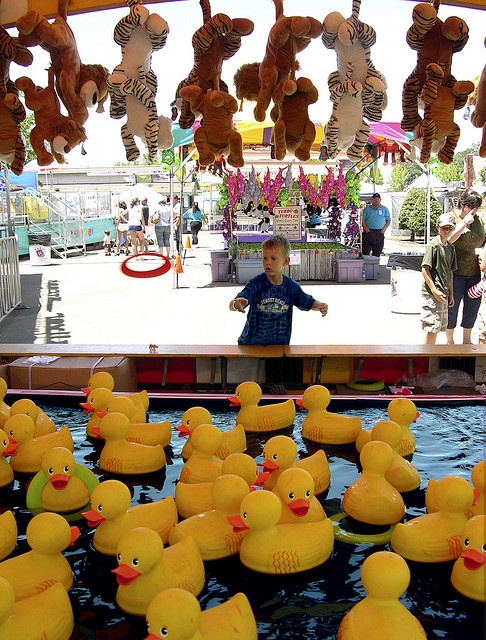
(26, 127)
(403, 175)
(413, 212)
(452, 172)
(482, 176)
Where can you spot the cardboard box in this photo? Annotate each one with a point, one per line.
(70, 373)
(4, 373)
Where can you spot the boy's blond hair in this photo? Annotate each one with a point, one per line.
(275, 242)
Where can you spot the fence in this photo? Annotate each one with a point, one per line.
(10, 290)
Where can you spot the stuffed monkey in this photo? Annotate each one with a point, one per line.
(217, 40)
(79, 86)
(435, 42)
(216, 136)
(293, 130)
(388, 149)
(133, 84)
(438, 122)
(61, 132)
(478, 118)
(12, 111)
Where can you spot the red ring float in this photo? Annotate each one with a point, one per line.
(152, 273)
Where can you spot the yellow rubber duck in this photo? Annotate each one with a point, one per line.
(8, 533)
(279, 548)
(253, 417)
(4, 407)
(47, 615)
(43, 423)
(402, 474)
(28, 453)
(371, 498)
(6, 449)
(113, 516)
(380, 615)
(106, 380)
(295, 489)
(124, 404)
(436, 537)
(192, 499)
(47, 534)
(234, 440)
(145, 568)
(404, 411)
(478, 479)
(96, 401)
(211, 530)
(203, 465)
(149, 433)
(123, 457)
(280, 452)
(176, 614)
(62, 485)
(469, 570)
(322, 426)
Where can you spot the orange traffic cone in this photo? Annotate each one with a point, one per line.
(178, 265)
(187, 243)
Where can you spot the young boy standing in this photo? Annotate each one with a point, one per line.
(438, 265)
(271, 297)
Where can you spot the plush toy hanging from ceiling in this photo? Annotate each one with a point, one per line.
(478, 117)
(79, 86)
(357, 89)
(62, 133)
(217, 40)
(435, 42)
(12, 111)
(287, 37)
(133, 84)
(389, 150)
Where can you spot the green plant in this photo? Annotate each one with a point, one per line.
(413, 212)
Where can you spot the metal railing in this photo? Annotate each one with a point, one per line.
(10, 290)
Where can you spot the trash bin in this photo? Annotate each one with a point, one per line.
(405, 282)
(39, 248)
(371, 267)
(220, 269)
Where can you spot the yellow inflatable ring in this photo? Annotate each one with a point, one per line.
(366, 384)
(39, 481)
(358, 538)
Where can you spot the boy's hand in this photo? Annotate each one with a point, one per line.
(323, 308)
(238, 304)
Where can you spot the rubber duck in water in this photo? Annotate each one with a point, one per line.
(478, 479)
(123, 457)
(124, 404)
(404, 411)
(145, 568)
(62, 485)
(149, 433)
(280, 453)
(4, 407)
(469, 570)
(8, 533)
(322, 426)
(402, 474)
(295, 488)
(43, 423)
(211, 530)
(192, 499)
(371, 498)
(203, 465)
(380, 615)
(113, 516)
(176, 614)
(6, 449)
(96, 401)
(47, 615)
(435, 537)
(234, 440)
(279, 548)
(254, 417)
(106, 380)
(48, 534)
(27, 456)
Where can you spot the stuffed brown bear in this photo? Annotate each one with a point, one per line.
(478, 118)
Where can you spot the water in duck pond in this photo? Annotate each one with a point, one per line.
(311, 604)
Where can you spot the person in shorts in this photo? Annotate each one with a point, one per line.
(161, 220)
(438, 266)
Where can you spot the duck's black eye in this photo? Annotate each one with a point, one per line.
(291, 495)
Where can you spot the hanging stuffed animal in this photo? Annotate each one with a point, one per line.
(133, 84)
(435, 42)
(389, 150)
(294, 131)
(12, 111)
(62, 133)
(357, 90)
(438, 124)
(478, 117)
(217, 40)
(216, 135)
(79, 86)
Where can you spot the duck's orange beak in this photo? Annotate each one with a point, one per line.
(269, 466)
(237, 523)
(95, 430)
(473, 560)
(86, 407)
(476, 494)
(152, 636)
(75, 533)
(417, 416)
(125, 574)
(299, 507)
(11, 449)
(262, 478)
(85, 390)
(299, 402)
(234, 401)
(93, 517)
(101, 414)
(183, 430)
(60, 481)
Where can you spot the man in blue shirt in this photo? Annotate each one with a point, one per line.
(196, 217)
(271, 296)
(376, 220)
